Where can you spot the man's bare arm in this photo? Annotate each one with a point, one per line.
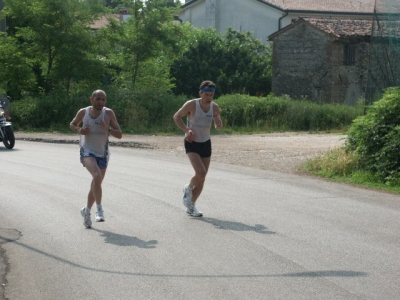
(74, 125)
(114, 129)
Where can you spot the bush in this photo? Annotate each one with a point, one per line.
(137, 111)
(50, 112)
(282, 113)
(144, 110)
(375, 137)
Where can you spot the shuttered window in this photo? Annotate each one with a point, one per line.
(349, 55)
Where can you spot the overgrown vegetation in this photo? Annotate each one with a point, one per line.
(144, 111)
(236, 61)
(371, 155)
(272, 113)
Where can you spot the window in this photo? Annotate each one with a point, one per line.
(349, 55)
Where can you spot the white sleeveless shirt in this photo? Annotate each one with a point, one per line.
(96, 142)
(201, 123)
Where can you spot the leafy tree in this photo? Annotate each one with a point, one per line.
(55, 37)
(236, 61)
(16, 72)
(141, 48)
(375, 137)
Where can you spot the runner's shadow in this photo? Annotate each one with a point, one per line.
(125, 240)
(236, 226)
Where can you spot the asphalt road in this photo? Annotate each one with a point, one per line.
(264, 235)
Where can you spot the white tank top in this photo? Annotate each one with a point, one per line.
(201, 123)
(96, 142)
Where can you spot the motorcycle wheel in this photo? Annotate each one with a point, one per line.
(9, 138)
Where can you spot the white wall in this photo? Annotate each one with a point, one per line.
(241, 15)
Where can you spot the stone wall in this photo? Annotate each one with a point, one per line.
(310, 63)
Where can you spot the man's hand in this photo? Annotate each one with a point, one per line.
(84, 130)
(189, 136)
(218, 123)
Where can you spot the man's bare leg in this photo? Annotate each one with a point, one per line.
(200, 166)
(95, 192)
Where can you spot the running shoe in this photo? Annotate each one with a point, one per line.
(194, 212)
(100, 216)
(187, 197)
(86, 217)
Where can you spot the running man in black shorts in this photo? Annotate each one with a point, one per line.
(200, 113)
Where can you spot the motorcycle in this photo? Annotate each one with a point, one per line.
(6, 131)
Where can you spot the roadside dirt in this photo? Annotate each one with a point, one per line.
(281, 152)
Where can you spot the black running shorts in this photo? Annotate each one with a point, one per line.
(202, 149)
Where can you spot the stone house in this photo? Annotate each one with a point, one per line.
(325, 60)
(265, 17)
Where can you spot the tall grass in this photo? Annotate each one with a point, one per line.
(273, 113)
(341, 165)
(150, 112)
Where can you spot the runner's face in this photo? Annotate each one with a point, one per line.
(207, 96)
(99, 101)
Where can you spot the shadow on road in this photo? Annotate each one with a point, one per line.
(11, 236)
(125, 240)
(236, 226)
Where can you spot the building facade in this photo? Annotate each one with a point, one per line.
(263, 18)
(325, 60)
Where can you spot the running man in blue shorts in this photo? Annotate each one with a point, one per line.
(200, 114)
(98, 122)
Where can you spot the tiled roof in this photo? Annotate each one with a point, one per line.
(104, 21)
(342, 27)
(344, 6)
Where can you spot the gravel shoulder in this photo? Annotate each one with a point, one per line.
(281, 152)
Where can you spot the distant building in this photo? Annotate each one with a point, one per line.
(265, 17)
(103, 21)
(325, 60)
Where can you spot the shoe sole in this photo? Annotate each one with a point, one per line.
(192, 215)
(100, 220)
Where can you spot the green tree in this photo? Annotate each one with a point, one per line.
(55, 37)
(140, 49)
(16, 72)
(236, 61)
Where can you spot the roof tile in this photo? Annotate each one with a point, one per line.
(343, 27)
(354, 6)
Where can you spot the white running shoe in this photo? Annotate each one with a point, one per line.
(187, 197)
(194, 212)
(86, 217)
(100, 216)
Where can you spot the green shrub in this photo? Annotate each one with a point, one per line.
(375, 137)
(50, 112)
(282, 113)
(150, 111)
(144, 111)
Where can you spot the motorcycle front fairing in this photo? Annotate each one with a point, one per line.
(5, 124)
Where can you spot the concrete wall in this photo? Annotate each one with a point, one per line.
(250, 15)
(309, 63)
(241, 15)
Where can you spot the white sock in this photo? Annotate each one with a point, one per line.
(99, 207)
